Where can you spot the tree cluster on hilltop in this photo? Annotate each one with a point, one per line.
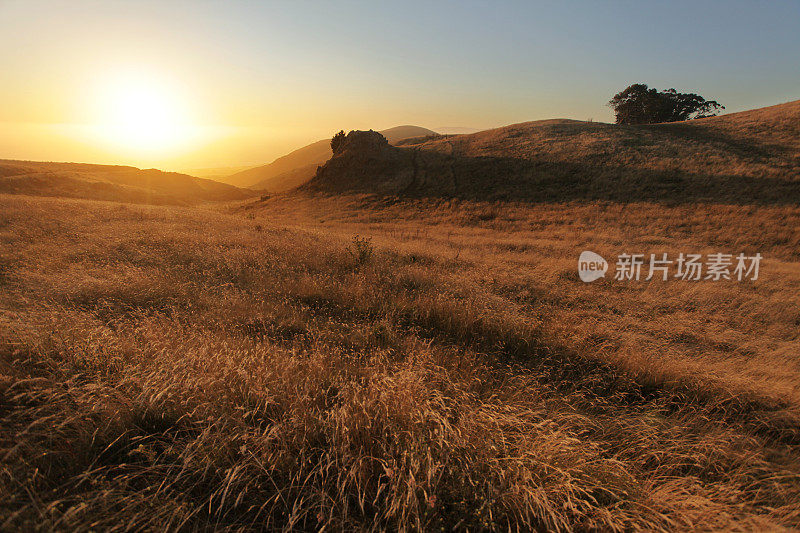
(638, 104)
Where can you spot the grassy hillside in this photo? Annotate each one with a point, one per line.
(761, 143)
(425, 358)
(297, 167)
(110, 182)
(174, 368)
(753, 155)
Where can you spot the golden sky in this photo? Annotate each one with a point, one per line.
(195, 84)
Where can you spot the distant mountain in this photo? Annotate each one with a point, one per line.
(111, 182)
(299, 166)
(747, 157)
(213, 173)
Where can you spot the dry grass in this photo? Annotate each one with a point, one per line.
(761, 143)
(748, 158)
(112, 183)
(175, 368)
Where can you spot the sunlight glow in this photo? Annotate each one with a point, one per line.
(142, 114)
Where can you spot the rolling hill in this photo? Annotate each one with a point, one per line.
(418, 361)
(299, 166)
(111, 182)
(753, 155)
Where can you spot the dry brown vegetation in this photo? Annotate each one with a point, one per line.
(760, 143)
(112, 182)
(425, 358)
(750, 158)
(186, 368)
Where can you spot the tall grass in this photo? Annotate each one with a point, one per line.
(167, 368)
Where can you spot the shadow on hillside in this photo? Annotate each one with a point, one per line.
(746, 147)
(557, 182)
(424, 173)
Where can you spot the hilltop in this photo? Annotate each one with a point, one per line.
(112, 182)
(297, 167)
(752, 155)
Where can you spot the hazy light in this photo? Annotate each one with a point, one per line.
(143, 114)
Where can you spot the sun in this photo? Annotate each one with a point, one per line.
(145, 117)
(141, 113)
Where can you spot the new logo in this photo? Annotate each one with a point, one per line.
(591, 266)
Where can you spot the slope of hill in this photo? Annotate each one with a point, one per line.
(456, 130)
(753, 155)
(299, 166)
(110, 182)
(451, 371)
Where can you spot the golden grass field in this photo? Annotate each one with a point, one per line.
(112, 183)
(250, 366)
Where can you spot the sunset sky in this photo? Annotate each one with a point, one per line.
(196, 84)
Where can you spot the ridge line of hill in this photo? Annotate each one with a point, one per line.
(745, 157)
(298, 166)
(121, 183)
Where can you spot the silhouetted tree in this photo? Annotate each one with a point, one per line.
(336, 141)
(638, 104)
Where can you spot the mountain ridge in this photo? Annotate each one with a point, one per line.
(298, 166)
